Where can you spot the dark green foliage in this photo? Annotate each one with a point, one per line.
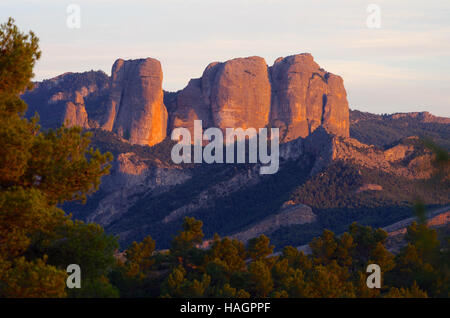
(333, 196)
(38, 171)
(336, 267)
(225, 216)
(18, 55)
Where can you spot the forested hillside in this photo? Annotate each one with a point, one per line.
(384, 130)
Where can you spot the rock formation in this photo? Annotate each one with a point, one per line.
(295, 94)
(408, 158)
(135, 109)
(232, 94)
(306, 97)
(131, 176)
(74, 99)
(190, 105)
(240, 95)
(75, 112)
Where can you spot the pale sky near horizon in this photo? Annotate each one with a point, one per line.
(402, 66)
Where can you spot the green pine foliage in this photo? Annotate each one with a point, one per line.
(38, 172)
(336, 267)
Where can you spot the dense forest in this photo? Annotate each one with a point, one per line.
(333, 195)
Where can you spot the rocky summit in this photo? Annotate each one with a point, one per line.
(305, 97)
(135, 108)
(294, 94)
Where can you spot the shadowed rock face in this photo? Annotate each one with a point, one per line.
(306, 97)
(190, 106)
(295, 94)
(135, 110)
(73, 99)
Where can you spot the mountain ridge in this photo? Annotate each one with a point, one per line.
(294, 94)
(337, 165)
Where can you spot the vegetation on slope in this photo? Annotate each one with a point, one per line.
(384, 130)
(38, 171)
(335, 268)
(333, 195)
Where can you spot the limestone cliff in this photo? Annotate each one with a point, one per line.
(295, 94)
(135, 109)
(306, 97)
(232, 94)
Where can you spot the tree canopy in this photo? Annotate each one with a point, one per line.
(38, 171)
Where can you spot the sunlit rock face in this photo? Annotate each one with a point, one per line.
(232, 94)
(304, 97)
(135, 109)
(294, 94)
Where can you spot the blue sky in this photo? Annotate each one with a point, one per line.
(402, 66)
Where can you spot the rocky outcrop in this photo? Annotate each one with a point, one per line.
(131, 177)
(295, 95)
(231, 94)
(190, 105)
(306, 97)
(75, 113)
(408, 158)
(73, 99)
(135, 109)
(369, 187)
(240, 96)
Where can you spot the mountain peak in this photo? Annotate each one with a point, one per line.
(294, 94)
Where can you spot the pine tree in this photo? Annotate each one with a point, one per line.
(38, 171)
